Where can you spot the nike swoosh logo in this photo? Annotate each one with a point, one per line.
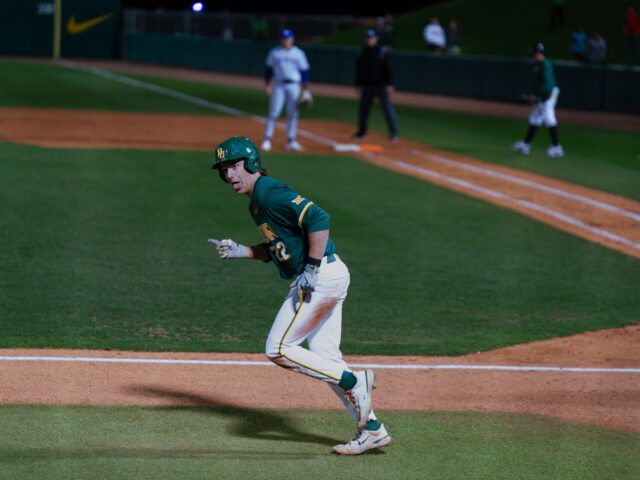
(74, 28)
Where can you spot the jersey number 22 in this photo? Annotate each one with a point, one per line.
(280, 251)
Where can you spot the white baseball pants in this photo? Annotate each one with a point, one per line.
(544, 113)
(283, 95)
(317, 319)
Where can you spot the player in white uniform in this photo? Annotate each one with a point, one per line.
(286, 74)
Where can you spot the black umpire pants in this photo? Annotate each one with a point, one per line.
(366, 99)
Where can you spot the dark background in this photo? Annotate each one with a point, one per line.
(299, 7)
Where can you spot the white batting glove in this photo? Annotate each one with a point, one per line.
(228, 249)
(307, 280)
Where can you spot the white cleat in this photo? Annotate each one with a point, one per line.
(294, 146)
(521, 147)
(555, 151)
(266, 146)
(360, 395)
(364, 441)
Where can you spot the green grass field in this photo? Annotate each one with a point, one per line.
(54, 442)
(107, 249)
(81, 228)
(486, 24)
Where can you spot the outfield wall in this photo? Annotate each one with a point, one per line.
(589, 87)
(89, 28)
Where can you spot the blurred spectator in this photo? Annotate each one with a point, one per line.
(259, 27)
(632, 28)
(454, 38)
(434, 36)
(557, 14)
(579, 43)
(227, 30)
(596, 49)
(387, 30)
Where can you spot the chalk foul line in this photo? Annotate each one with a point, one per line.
(466, 185)
(379, 366)
(528, 183)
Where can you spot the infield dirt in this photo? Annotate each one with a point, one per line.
(603, 399)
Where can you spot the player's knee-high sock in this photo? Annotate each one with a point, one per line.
(530, 133)
(553, 132)
(343, 398)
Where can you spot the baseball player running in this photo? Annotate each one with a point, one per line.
(286, 69)
(544, 97)
(295, 237)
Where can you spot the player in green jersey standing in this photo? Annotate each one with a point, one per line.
(295, 237)
(544, 96)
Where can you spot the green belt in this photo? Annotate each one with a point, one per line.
(331, 258)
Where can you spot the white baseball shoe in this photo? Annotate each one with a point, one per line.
(294, 146)
(555, 151)
(266, 145)
(521, 147)
(363, 441)
(360, 395)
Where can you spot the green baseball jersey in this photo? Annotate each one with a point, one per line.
(543, 80)
(284, 220)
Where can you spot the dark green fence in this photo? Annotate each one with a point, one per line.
(609, 88)
(88, 28)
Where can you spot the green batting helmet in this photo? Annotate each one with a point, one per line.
(537, 47)
(238, 148)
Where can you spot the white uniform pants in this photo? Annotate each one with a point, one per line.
(544, 113)
(318, 319)
(283, 95)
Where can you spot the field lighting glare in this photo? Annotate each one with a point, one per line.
(197, 7)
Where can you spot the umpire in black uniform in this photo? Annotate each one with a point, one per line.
(374, 78)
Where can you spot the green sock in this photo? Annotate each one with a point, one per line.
(348, 380)
(373, 425)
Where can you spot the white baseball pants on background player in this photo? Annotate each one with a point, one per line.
(544, 113)
(318, 319)
(284, 94)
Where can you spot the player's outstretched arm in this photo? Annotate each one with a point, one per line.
(229, 249)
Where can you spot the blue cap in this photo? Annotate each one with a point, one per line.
(371, 33)
(286, 33)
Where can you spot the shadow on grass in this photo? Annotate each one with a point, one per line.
(249, 422)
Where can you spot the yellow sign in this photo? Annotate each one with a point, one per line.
(74, 28)
(220, 153)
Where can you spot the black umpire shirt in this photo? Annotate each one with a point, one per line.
(372, 67)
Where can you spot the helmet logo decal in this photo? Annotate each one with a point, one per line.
(220, 153)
